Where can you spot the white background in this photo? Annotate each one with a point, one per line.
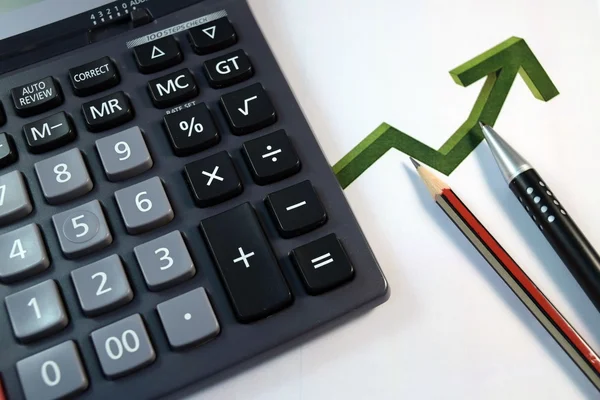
(451, 329)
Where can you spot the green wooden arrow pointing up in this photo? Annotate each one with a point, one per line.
(501, 65)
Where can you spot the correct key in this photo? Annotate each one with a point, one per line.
(248, 267)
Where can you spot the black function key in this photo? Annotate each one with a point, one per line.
(323, 264)
(248, 267)
(228, 69)
(49, 133)
(296, 209)
(36, 97)
(94, 77)
(2, 115)
(271, 157)
(191, 130)
(174, 88)
(248, 109)
(158, 55)
(213, 36)
(107, 112)
(8, 153)
(213, 179)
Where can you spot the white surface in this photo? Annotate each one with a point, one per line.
(451, 329)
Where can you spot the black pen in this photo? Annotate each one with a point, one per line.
(544, 208)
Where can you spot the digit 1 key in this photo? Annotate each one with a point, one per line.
(248, 267)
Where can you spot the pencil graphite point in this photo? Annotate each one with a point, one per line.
(415, 162)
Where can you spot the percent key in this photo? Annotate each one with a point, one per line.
(191, 130)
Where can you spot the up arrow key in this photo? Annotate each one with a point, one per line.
(156, 52)
(210, 31)
(158, 55)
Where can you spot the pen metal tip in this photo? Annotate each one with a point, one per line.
(482, 125)
(415, 162)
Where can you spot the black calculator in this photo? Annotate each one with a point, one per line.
(166, 215)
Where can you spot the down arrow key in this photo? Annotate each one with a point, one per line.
(213, 36)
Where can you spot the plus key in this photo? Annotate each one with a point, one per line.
(248, 267)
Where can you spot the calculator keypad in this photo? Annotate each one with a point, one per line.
(102, 286)
(123, 347)
(36, 312)
(63, 177)
(144, 206)
(22, 253)
(165, 261)
(15, 202)
(136, 219)
(124, 154)
(55, 373)
(82, 230)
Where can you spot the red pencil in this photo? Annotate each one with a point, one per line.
(532, 297)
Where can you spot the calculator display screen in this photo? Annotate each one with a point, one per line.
(18, 16)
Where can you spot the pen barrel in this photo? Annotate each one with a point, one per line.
(561, 232)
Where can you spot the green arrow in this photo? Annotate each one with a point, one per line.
(501, 65)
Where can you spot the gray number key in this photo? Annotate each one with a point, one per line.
(14, 198)
(165, 261)
(22, 253)
(53, 374)
(188, 319)
(102, 286)
(144, 206)
(36, 312)
(82, 230)
(63, 177)
(124, 154)
(123, 347)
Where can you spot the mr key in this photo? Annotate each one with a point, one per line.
(163, 201)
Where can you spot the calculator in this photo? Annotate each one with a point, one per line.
(167, 217)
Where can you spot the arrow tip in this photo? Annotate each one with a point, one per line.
(415, 162)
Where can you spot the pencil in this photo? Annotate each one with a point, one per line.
(532, 297)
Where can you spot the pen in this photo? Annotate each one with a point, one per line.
(532, 297)
(556, 225)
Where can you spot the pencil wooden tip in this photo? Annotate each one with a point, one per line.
(434, 184)
(415, 162)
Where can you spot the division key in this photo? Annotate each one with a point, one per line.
(248, 267)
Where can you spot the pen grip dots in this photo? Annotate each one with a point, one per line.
(538, 200)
